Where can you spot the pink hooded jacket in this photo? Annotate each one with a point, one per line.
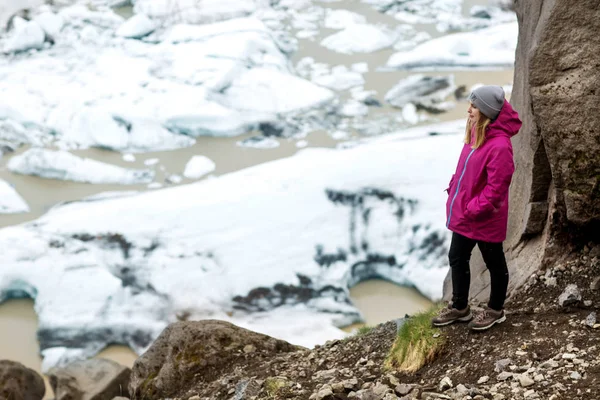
(477, 205)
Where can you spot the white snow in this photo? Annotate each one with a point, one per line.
(137, 27)
(198, 166)
(340, 19)
(10, 201)
(151, 161)
(228, 235)
(353, 108)
(339, 78)
(491, 47)
(420, 11)
(360, 38)
(421, 90)
(95, 89)
(66, 166)
(128, 157)
(51, 23)
(197, 12)
(94, 127)
(25, 37)
(361, 67)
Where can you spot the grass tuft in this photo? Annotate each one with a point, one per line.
(363, 330)
(417, 343)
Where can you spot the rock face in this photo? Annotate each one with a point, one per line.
(189, 353)
(94, 379)
(556, 187)
(20, 382)
(556, 90)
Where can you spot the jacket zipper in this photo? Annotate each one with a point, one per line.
(458, 187)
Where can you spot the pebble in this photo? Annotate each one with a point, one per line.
(483, 379)
(568, 356)
(502, 364)
(504, 376)
(525, 381)
(445, 384)
(575, 375)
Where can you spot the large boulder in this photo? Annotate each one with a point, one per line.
(19, 382)
(189, 354)
(95, 379)
(555, 193)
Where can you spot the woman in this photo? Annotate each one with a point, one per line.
(477, 206)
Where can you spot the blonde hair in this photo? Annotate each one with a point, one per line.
(480, 130)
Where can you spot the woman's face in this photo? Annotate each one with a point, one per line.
(473, 113)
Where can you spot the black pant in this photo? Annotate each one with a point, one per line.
(493, 255)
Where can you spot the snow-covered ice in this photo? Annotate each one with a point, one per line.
(10, 201)
(353, 108)
(340, 19)
(135, 262)
(419, 11)
(26, 36)
(490, 47)
(93, 127)
(197, 12)
(66, 166)
(50, 23)
(96, 89)
(339, 78)
(360, 38)
(259, 142)
(427, 92)
(198, 166)
(137, 27)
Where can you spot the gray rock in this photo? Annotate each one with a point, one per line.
(525, 381)
(462, 390)
(380, 389)
(187, 349)
(550, 364)
(595, 284)
(551, 282)
(245, 390)
(249, 349)
(350, 384)
(570, 296)
(433, 395)
(403, 389)
(504, 376)
(20, 382)
(324, 393)
(591, 320)
(501, 365)
(483, 379)
(575, 375)
(445, 384)
(90, 379)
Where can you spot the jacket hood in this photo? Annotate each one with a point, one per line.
(507, 123)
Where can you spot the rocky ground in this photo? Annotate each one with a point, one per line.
(547, 349)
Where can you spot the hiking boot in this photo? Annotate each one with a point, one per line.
(449, 315)
(486, 319)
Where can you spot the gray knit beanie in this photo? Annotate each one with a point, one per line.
(488, 99)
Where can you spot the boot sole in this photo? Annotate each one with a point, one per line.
(461, 319)
(483, 328)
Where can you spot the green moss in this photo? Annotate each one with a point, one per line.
(417, 343)
(363, 330)
(273, 386)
